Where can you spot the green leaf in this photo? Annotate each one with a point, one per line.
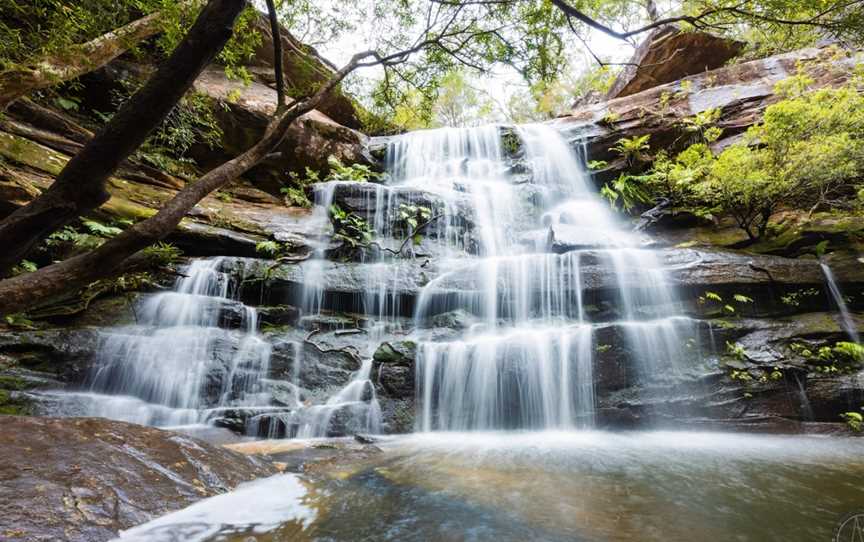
(713, 296)
(821, 247)
(66, 104)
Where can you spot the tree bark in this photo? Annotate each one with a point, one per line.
(653, 12)
(30, 289)
(277, 54)
(78, 59)
(80, 187)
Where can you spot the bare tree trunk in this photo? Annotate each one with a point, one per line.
(80, 187)
(277, 54)
(78, 59)
(19, 293)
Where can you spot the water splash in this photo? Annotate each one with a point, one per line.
(181, 363)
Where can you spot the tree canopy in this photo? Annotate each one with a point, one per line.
(536, 39)
(427, 56)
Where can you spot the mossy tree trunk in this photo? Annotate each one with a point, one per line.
(77, 60)
(80, 187)
(23, 291)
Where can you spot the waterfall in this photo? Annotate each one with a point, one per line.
(845, 316)
(519, 236)
(192, 354)
(537, 226)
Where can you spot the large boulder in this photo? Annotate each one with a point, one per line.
(669, 54)
(247, 108)
(303, 69)
(87, 478)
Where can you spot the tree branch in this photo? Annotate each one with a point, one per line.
(277, 54)
(18, 293)
(78, 59)
(80, 186)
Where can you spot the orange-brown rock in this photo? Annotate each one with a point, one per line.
(87, 478)
(668, 54)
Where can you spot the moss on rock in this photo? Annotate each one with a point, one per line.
(13, 405)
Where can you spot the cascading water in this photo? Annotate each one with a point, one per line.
(180, 364)
(527, 363)
(845, 316)
(516, 236)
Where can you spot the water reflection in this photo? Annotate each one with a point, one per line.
(592, 486)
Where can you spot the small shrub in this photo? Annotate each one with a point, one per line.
(162, 254)
(854, 420)
(349, 227)
(268, 248)
(633, 149)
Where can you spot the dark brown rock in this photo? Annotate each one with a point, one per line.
(87, 478)
(668, 54)
(394, 365)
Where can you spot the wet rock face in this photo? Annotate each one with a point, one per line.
(775, 390)
(394, 364)
(379, 205)
(313, 367)
(767, 387)
(66, 354)
(393, 373)
(86, 479)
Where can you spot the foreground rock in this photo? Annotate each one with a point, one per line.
(321, 455)
(87, 478)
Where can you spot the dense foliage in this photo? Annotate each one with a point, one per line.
(537, 40)
(32, 30)
(807, 153)
(545, 43)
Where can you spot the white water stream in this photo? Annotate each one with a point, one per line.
(527, 363)
(846, 320)
(517, 236)
(192, 354)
